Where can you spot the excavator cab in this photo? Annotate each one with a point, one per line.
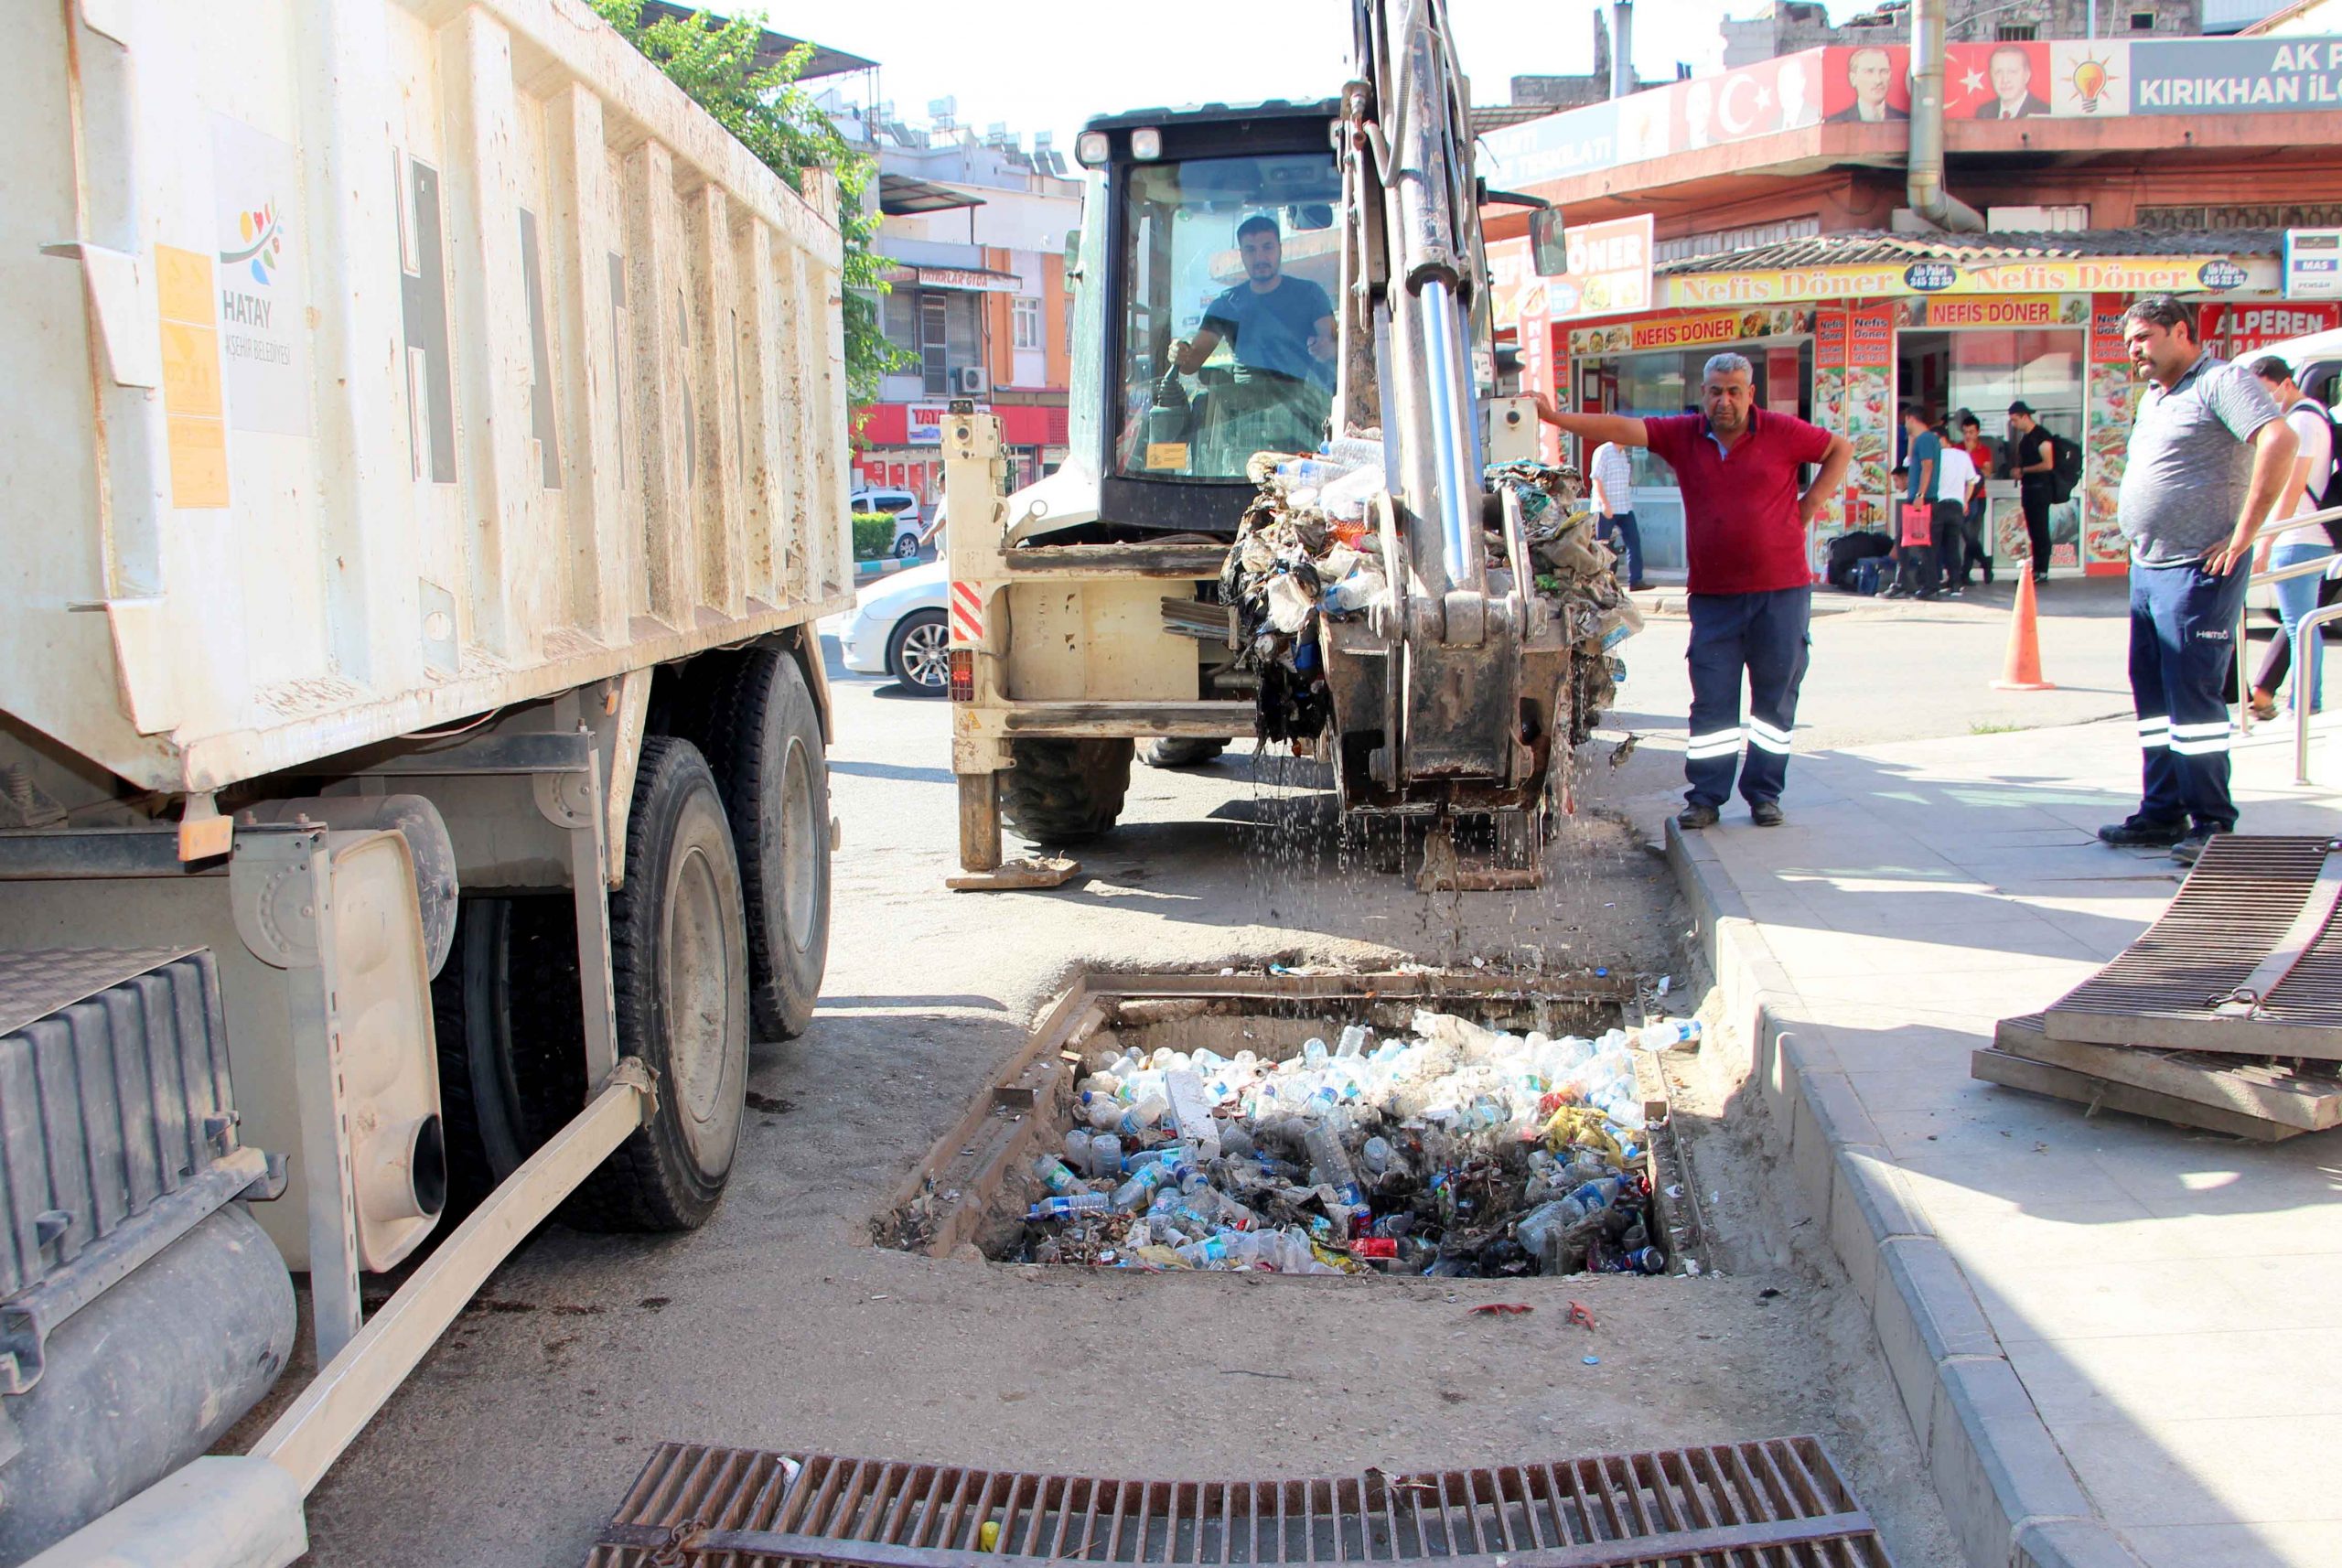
(1219, 273)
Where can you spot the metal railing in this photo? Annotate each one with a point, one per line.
(2307, 633)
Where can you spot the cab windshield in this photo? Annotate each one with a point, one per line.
(1229, 269)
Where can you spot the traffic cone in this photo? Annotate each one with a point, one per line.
(2021, 671)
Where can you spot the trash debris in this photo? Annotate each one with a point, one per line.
(1591, 1360)
(1501, 1309)
(1454, 1150)
(1578, 1315)
(1307, 550)
(1667, 1034)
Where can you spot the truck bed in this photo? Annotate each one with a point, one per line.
(385, 362)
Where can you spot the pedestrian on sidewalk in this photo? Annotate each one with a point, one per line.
(1955, 478)
(1979, 551)
(1915, 555)
(1745, 522)
(2033, 460)
(2210, 455)
(2313, 467)
(1612, 475)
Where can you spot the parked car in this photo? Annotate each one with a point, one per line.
(904, 507)
(899, 626)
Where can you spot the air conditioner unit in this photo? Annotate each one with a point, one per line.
(971, 379)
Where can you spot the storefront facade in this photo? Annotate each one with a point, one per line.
(1931, 333)
(900, 445)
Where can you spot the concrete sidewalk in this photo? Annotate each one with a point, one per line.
(2115, 1338)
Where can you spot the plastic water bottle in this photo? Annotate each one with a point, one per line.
(1376, 1155)
(1054, 1174)
(1067, 1207)
(1134, 1194)
(1668, 1035)
(1143, 1115)
(1105, 1155)
(1076, 1151)
(1597, 1195)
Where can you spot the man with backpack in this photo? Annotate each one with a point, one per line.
(2047, 467)
(2314, 488)
(2209, 455)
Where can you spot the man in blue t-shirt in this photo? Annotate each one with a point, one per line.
(1275, 323)
(1923, 461)
(1281, 331)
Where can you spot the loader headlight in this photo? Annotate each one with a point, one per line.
(1146, 144)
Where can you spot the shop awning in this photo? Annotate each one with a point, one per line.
(1874, 265)
(973, 280)
(900, 195)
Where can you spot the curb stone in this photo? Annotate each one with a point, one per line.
(2007, 1490)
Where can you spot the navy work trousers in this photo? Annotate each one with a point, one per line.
(2182, 636)
(1764, 637)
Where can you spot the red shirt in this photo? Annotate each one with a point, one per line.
(1741, 527)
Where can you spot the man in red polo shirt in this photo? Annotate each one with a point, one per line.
(1745, 524)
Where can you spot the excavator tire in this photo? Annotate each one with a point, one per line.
(1062, 791)
(1172, 751)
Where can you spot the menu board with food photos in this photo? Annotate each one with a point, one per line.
(1870, 412)
(2112, 398)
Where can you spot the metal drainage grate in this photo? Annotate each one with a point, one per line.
(2246, 959)
(1777, 1503)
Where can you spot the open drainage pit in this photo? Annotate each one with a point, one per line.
(1418, 1124)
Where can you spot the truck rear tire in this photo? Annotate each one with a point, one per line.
(679, 959)
(763, 743)
(1062, 791)
(1171, 751)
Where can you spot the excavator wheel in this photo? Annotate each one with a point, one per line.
(1172, 751)
(1062, 791)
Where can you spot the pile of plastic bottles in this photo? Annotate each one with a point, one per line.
(1457, 1150)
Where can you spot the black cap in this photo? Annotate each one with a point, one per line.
(2020, 408)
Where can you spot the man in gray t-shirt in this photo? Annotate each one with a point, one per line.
(2208, 457)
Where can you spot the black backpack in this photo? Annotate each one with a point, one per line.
(2332, 497)
(2065, 467)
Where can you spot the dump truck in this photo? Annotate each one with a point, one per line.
(1087, 610)
(425, 443)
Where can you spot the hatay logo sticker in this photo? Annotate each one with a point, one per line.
(263, 303)
(263, 251)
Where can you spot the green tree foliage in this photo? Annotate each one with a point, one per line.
(714, 61)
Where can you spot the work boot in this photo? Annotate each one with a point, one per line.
(2141, 831)
(1696, 814)
(1765, 813)
(2187, 849)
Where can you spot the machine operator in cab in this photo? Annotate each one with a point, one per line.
(1281, 331)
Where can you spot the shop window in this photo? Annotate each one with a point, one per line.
(1025, 322)
(2142, 21)
(898, 316)
(2016, 32)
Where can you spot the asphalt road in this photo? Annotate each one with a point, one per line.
(779, 1325)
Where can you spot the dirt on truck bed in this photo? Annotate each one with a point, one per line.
(780, 1325)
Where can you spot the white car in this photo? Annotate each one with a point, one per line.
(903, 506)
(899, 627)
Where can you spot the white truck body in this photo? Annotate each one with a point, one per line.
(434, 357)
(426, 459)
